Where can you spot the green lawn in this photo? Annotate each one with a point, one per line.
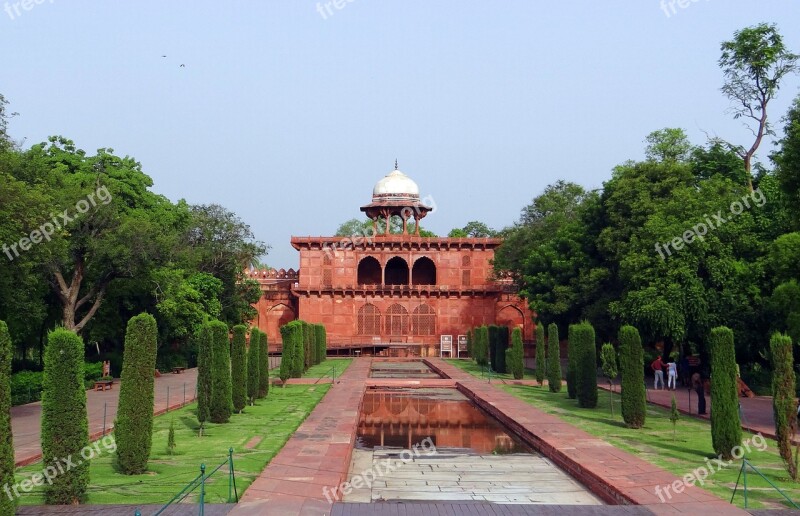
(269, 424)
(324, 369)
(654, 443)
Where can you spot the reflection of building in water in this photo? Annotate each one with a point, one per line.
(403, 420)
(403, 290)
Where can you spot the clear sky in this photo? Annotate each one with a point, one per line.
(288, 115)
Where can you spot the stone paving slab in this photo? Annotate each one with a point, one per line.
(26, 420)
(484, 509)
(317, 456)
(614, 475)
(125, 510)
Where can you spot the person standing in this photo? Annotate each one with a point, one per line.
(672, 374)
(697, 384)
(658, 371)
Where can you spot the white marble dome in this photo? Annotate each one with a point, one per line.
(396, 186)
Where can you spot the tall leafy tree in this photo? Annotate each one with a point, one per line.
(134, 424)
(754, 63)
(787, 160)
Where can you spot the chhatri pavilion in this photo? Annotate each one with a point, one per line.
(395, 294)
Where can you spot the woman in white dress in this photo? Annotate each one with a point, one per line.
(672, 373)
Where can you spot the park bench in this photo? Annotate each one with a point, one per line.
(101, 385)
(178, 370)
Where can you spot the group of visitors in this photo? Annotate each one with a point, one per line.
(659, 366)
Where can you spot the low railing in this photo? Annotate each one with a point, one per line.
(199, 482)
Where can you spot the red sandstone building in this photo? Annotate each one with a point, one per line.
(382, 290)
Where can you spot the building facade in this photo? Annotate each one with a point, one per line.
(382, 290)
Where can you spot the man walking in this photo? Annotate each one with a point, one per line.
(658, 371)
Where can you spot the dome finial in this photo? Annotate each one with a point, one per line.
(395, 164)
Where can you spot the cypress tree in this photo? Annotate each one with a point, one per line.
(541, 360)
(263, 370)
(253, 363)
(65, 425)
(221, 405)
(585, 365)
(470, 351)
(726, 428)
(287, 353)
(133, 428)
(205, 347)
(516, 355)
(299, 350)
(572, 364)
(239, 367)
(7, 505)
(321, 343)
(783, 404)
(631, 365)
(482, 345)
(608, 359)
(553, 359)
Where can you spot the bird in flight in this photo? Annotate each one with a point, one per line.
(183, 66)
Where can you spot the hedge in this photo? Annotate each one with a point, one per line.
(553, 359)
(253, 365)
(631, 366)
(239, 367)
(221, 405)
(65, 425)
(133, 428)
(292, 355)
(726, 428)
(7, 504)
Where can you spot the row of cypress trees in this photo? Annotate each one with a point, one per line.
(229, 376)
(304, 345)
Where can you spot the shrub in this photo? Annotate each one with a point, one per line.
(221, 405)
(171, 438)
(65, 426)
(572, 364)
(553, 359)
(133, 428)
(726, 428)
(585, 365)
(263, 370)
(608, 359)
(239, 367)
(7, 504)
(516, 355)
(674, 416)
(631, 364)
(253, 364)
(205, 360)
(541, 361)
(298, 368)
(783, 395)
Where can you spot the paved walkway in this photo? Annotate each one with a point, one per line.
(614, 475)
(26, 420)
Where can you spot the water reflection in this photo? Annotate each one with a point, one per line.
(402, 418)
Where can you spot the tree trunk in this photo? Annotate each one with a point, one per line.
(71, 303)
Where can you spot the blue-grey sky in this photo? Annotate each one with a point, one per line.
(287, 112)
